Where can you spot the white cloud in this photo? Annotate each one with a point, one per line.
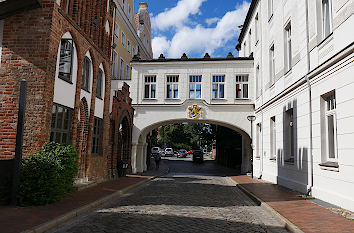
(210, 21)
(160, 44)
(201, 39)
(177, 16)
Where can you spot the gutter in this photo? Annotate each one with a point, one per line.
(309, 190)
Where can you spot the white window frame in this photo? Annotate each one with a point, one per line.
(271, 65)
(331, 112)
(218, 82)
(290, 151)
(195, 83)
(115, 65)
(172, 85)
(324, 18)
(150, 81)
(243, 81)
(288, 48)
(273, 138)
(121, 69)
(123, 39)
(116, 30)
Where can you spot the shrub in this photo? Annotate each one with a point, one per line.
(48, 175)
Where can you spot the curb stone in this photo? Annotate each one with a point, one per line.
(76, 212)
(288, 225)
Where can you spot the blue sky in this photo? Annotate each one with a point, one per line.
(195, 26)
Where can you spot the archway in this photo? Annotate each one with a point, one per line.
(140, 147)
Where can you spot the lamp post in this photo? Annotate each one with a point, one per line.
(251, 119)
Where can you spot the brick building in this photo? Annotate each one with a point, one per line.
(62, 48)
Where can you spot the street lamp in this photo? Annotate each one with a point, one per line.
(251, 119)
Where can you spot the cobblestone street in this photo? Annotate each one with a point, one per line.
(191, 198)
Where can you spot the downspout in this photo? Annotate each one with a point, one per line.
(309, 190)
(262, 87)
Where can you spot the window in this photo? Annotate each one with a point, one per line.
(172, 87)
(258, 83)
(256, 24)
(150, 87)
(116, 30)
(195, 86)
(115, 65)
(326, 17)
(288, 55)
(330, 126)
(270, 9)
(289, 136)
(67, 6)
(97, 136)
(99, 85)
(273, 138)
(127, 73)
(218, 86)
(129, 13)
(134, 51)
(61, 124)
(258, 138)
(128, 46)
(271, 65)
(124, 5)
(121, 73)
(123, 39)
(86, 72)
(241, 86)
(66, 59)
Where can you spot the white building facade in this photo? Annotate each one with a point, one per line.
(303, 66)
(165, 91)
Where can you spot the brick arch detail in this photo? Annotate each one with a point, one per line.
(82, 137)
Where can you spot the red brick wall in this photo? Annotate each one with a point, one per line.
(30, 45)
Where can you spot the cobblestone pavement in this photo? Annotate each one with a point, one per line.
(182, 201)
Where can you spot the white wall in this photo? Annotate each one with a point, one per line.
(99, 103)
(332, 185)
(64, 92)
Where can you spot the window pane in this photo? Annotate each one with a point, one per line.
(215, 91)
(147, 90)
(221, 90)
(65, 61)
(175, 90)
(60, 118)
(245, 90)
(238, 91)
(153, 90)
(331, 152)
(169, 91)
(198, 92)
(54, 115)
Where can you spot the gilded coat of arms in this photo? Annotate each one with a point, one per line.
(194, 111)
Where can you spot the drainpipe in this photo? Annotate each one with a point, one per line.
(309, 190)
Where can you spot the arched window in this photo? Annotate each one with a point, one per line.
(99, 84)
(66, 58)
(86, 71)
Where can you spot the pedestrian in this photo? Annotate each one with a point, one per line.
(157, 158)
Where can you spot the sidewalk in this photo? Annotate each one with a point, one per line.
(307, 216)
(18, 219)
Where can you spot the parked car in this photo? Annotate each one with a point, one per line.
(182, 153)
(190, 152)
(169, 152)
(155, 150)
(198, 156)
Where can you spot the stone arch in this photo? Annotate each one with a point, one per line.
(139, 151)
(82, 137)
